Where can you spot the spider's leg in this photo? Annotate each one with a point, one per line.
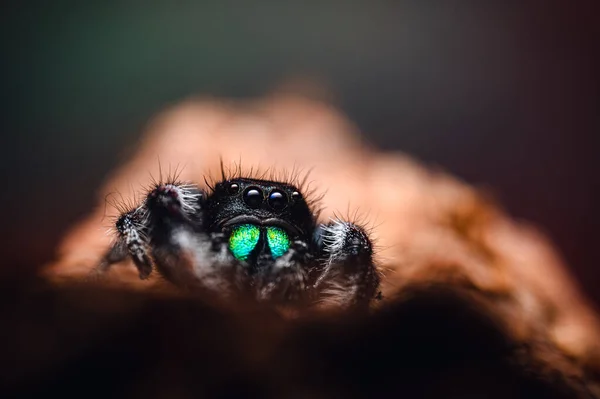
(115, 254)
(349, 277)
(286, 279)
(132, 241)
(184, 253)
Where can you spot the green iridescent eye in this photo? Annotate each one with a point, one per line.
(278, 241)
(243, 239)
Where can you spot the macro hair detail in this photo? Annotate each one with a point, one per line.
(249, 234)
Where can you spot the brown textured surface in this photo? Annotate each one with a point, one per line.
(430, 229)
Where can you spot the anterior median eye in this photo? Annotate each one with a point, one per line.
(243, 239)
(278, 241)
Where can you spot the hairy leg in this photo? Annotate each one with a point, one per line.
(132, 241)
(183, 252)
(349, 278)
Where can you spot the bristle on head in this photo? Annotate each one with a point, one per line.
(295, 177)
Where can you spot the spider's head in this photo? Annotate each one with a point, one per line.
(261, 202)
(260, 211)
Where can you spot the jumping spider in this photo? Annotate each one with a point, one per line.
(247, 235)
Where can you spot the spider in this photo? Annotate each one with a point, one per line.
(247, 235)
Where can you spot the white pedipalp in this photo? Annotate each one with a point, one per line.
(188, 196)
(334, 237)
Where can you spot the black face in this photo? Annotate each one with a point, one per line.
(261, 203)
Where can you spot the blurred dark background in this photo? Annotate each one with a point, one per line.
(502, 94)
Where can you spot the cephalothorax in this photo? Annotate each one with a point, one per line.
(247, 236)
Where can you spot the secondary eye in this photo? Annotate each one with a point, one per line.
(243, 240)
(233, 188)
(253, 196)
(278, 241)
(277, 200)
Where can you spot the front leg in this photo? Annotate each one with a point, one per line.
(184, 253)
(132, 241)
(349, 277)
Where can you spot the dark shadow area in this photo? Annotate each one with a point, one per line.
(100, 342)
